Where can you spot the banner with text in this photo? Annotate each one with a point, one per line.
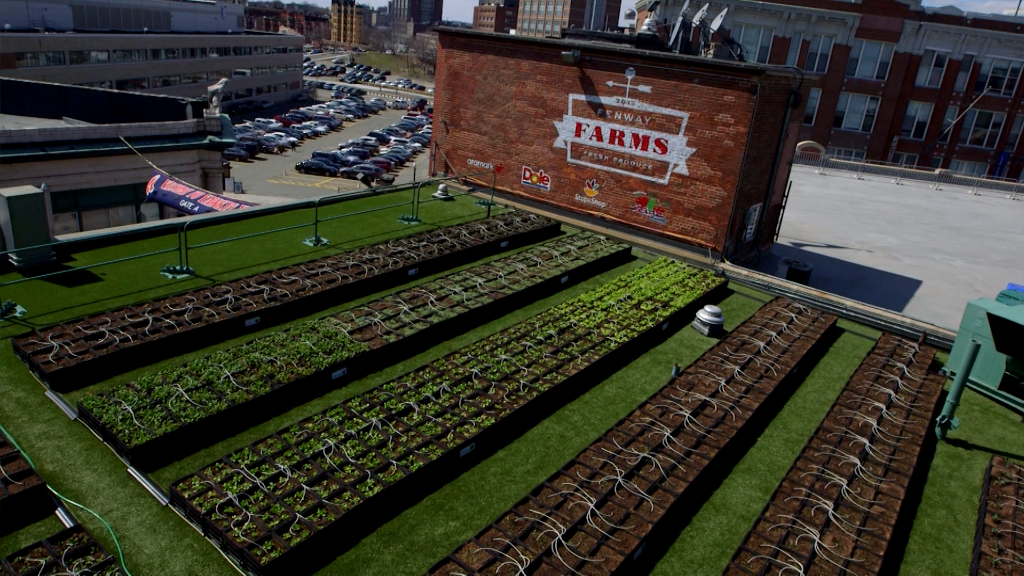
(179, 195)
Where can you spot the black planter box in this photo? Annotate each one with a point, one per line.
(58, 561)
(26, 504)
(147, 352)
(187, 439)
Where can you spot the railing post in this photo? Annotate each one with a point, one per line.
(182, 269)
(413, 216)
(315, 239)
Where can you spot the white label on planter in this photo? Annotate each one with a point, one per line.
(252, 321)
(504, 244)
(664, 326)
(413, 271)
(467, 449)
(339, 373)
(639, 551)
(565, 279)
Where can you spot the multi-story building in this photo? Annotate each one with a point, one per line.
(173, 48)
(496, 16)
(890, 80)
(346, 22)
(312, 26)
(422, 12)
(541, 18)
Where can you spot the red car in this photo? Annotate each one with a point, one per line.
(382, 163)
(285, 121)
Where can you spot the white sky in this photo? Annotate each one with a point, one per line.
(463, 9)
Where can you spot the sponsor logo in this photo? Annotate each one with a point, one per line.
(650, 207)
(479, 164)
(590, 188)
(625, 138)
(536, 178)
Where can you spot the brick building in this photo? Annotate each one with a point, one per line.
(686, 148)
(890, 80)
(497, 16)
(346, 22)
(545, 18)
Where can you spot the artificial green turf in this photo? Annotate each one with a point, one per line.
(707, 543)
(30, 534)
(78, 293)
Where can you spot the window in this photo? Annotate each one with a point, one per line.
(964, 74)
(915, 122)
(129, 55)
(76, 57)
(261, 70)
(812, 106)
(247, 50)
(933, 66)
(818, 53)
(999, 76)
(1014, 135)
(164, 54)
(132, 84)
(869, 59)
(904, 159)
(242, 72)
(221, 51)
(101, 84)
(855, 112)
(947, 123)
(194, 78)
(975, 169)
(37, 59)
(756, 42)
(846, 154)
(794, 48)
(193, 53)
(981, 128)
(165, 81)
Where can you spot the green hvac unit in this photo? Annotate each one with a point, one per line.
(988, 355)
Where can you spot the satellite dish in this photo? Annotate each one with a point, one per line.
(700, 15)
(717, 22)
(679, 24)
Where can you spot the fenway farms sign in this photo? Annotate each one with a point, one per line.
(625, 135)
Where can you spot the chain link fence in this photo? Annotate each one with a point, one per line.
(897, 174)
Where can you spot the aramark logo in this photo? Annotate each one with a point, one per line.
(631, 147)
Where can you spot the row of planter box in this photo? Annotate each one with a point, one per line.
(163, 416)
(79, 353)
(293, 500)
(999, 539)
(837, 508)
(24, 497)
(604, 508)
(70, 551)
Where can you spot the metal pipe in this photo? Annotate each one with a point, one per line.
(947, 421)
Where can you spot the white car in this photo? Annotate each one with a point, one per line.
(288, 140)
(316, 127)
(398, 104)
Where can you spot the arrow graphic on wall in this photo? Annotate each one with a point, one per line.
(630, 73)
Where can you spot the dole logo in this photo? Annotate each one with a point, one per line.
(590, 187)
(536, 179)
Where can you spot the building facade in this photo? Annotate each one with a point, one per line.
(258, 66)
(547, 18)
(892, 81)
(689, 149)
(346, 22)
(421, 12)
(496, 16)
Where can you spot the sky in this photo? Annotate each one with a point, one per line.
(462, 10)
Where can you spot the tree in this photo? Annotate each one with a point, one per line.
(424, 46)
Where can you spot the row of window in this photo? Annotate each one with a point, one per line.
(857, 112)
(76, 57)
(189, 78)
(870, 60)
(547, 27)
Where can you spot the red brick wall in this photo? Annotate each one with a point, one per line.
(499, 98)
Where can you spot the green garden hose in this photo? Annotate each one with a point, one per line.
(120, 554)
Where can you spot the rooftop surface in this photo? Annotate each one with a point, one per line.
(156, 541)
(907, 248)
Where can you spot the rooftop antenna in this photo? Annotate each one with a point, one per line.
(698, 22)
(735, 48)
(680, 26)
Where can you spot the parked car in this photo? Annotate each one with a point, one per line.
(316, 167)
(381, 137)
(374, 172)
(361, 153)
(235, 153)
(398, 104)
(382, 163)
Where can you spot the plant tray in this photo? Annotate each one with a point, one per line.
(599, 512)
(837, 508)
(24, 497)
(197, 404)
(75, 354)
(70, 551)
(360, 462)
(999, 539)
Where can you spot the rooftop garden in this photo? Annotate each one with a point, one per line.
(483, 412)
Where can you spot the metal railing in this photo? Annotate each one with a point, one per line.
(900, 174)
(183, 247)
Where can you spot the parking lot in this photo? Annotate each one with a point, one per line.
(274, 175)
